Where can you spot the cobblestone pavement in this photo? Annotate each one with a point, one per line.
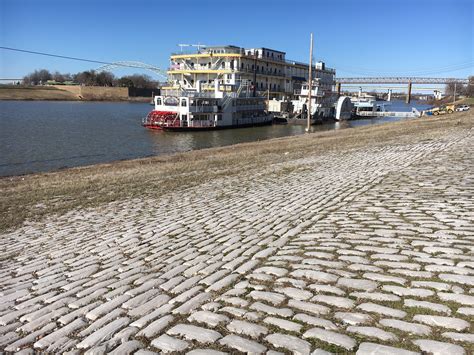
(367, 251)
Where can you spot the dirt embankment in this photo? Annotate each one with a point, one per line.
(65, 93)
(34, 196)
(35, 93)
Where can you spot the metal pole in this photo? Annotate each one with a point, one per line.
(454, 98)
(409, 93)
(310, 84)
(255, 74)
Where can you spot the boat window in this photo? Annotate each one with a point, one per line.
(219, 117)
(184, 117)
(158, 101)
(183, 102)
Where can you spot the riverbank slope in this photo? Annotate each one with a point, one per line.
(68, 93)
(355, 240)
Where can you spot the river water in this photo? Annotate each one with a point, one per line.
(38, 136)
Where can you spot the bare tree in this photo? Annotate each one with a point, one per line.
(470, 87)
(57, 76)
(455, 88)
(37, 77)
(105, 79)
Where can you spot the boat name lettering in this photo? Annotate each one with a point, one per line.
(171, 101)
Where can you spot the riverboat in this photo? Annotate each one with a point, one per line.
(190, 109)
(366, 105)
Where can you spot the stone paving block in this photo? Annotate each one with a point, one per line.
(210, 318)
(246, 328)
(289, 342)
(205, 352)
(339, 302)
(439, 321)
(315, 321)
(386, 311)
(357, 284)
(192, 332)
(169, 344)
(155, 327)
(283, 323)
(379, 349)
(282, 312)
(107, 307)
(372, 332)
(417, 329)
(435, 307)
(331, 337)
(439, 348)
(242, 344)
(270, 297)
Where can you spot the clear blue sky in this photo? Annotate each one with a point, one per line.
(356, 37)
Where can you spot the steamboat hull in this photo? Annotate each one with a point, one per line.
(215, 128)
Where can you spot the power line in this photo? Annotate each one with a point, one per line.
(70, 58)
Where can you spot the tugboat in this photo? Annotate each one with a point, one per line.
(190, 109)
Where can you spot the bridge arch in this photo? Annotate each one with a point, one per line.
(132, 64)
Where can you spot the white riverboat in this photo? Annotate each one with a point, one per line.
(191, 109)
(365, 105)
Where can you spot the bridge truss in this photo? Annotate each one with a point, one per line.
(400, 80)
(128, 64)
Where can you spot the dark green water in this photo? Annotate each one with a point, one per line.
(37, 136)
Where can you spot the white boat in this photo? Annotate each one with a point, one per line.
(228, 106)
(366, 104)
(322, 101)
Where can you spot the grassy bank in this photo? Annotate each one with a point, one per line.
(10, 92)
(50, 93)
(34, 196)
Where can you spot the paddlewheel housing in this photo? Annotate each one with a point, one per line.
(159, 119)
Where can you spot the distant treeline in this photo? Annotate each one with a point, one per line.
(90, 78)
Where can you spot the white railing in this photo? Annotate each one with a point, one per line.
(413, 113)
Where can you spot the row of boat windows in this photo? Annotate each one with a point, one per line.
(197, 117)
(242, 66)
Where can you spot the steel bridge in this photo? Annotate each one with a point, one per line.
(377, 82)
(128, 64)
(400, 80)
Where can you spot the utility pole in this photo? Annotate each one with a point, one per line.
(454, 96)
(310, 84)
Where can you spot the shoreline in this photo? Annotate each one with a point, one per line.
(129, 100)
(36, 195)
